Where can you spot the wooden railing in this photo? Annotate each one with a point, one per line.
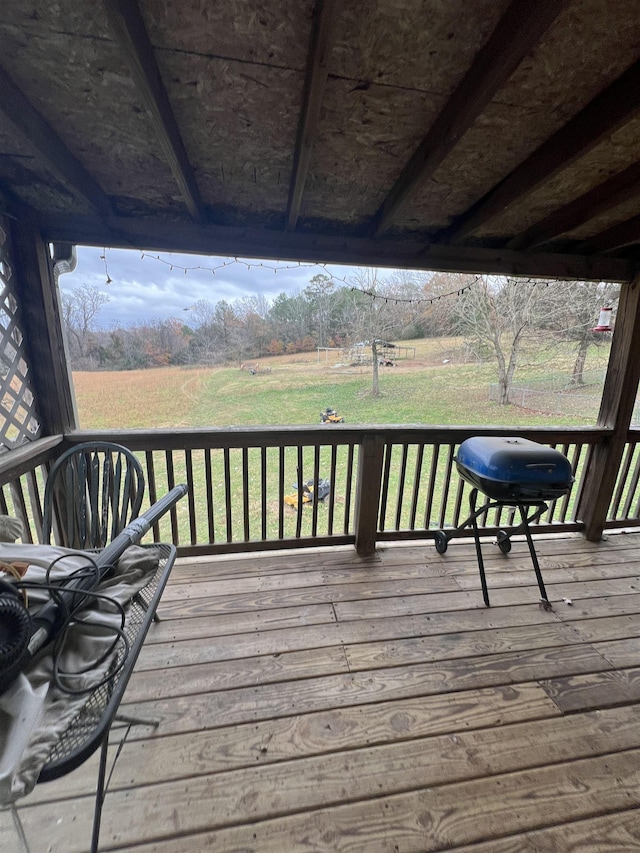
(246, 493)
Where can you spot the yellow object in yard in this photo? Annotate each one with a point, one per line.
(330, 416)
(292, 500)
(324, 488)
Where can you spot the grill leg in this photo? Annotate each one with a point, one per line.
(476, 535)
(532, 551)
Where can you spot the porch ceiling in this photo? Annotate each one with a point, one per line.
(437, 134)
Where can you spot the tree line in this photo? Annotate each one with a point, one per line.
(500, 319)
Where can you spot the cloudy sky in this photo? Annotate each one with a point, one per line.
(145, 288)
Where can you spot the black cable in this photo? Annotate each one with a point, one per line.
(59, 593)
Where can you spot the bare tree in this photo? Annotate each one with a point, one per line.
(574, 309)
(203, 313)
(374, 320)
(497, 317)
(80, 310)
(319, 292)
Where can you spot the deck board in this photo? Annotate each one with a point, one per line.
(315, 701)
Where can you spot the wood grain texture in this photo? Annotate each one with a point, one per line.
(423, 720)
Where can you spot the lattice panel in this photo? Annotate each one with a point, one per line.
(19, 421)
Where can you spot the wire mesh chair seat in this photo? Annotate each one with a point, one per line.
(92, 492)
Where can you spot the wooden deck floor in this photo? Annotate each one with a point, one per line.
(318, 702)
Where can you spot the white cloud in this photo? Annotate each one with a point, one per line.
(144, 288)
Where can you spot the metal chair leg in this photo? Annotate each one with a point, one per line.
(17, 822)
(136, 721)
(100, 793)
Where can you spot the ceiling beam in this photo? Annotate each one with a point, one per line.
(295, 246)
(519, 29)
(607, 195)
(612, 108)
(314, 85)
(52, 151)
(623, 234)
(133, 39)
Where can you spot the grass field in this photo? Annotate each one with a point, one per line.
(436, 387)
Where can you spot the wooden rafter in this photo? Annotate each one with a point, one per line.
(612, 108)
(296, 246)
(605, 196)
(623, 234)
(131, 33)
(24, 117)
(521, 26)
(314, 84)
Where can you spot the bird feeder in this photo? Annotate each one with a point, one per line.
(604, 321)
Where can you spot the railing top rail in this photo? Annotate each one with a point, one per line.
(28, 456)
(335, 434)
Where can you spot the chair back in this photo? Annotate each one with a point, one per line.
(92, 492)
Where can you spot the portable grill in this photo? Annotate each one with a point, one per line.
(514, 472)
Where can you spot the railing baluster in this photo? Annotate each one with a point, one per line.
(445, 487)
(19, 503)
(623, 473)
(417, 474)
(227, 493)
(575, 461)
(171, 481)
(401, 481)
(580, 484)
(316, 481)
(150, 477)
(245, 493)
(263, 491)
(300, 481)
(435, 453)
(633, 485)
(388, 452)
(348, 489)
(281, 493)
(35, 504)
(332, 488)
(458, 503)
(188, 460)
(208, 475)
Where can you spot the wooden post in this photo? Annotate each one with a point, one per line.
(44, 339)
(370, 458)
(616, 410)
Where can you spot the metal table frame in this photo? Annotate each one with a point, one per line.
(90, 729)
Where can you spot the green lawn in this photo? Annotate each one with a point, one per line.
(437, 387)
(295, 389)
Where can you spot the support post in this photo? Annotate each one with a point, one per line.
(370, 459)
(43, 330)
(616, 410)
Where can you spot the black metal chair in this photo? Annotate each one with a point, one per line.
(92, 492)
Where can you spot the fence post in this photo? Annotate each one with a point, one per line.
(370, 459)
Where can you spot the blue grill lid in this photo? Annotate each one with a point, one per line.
(514, 460)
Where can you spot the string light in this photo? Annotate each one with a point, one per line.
(414, 300)
(103, 258)
(250, 265)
